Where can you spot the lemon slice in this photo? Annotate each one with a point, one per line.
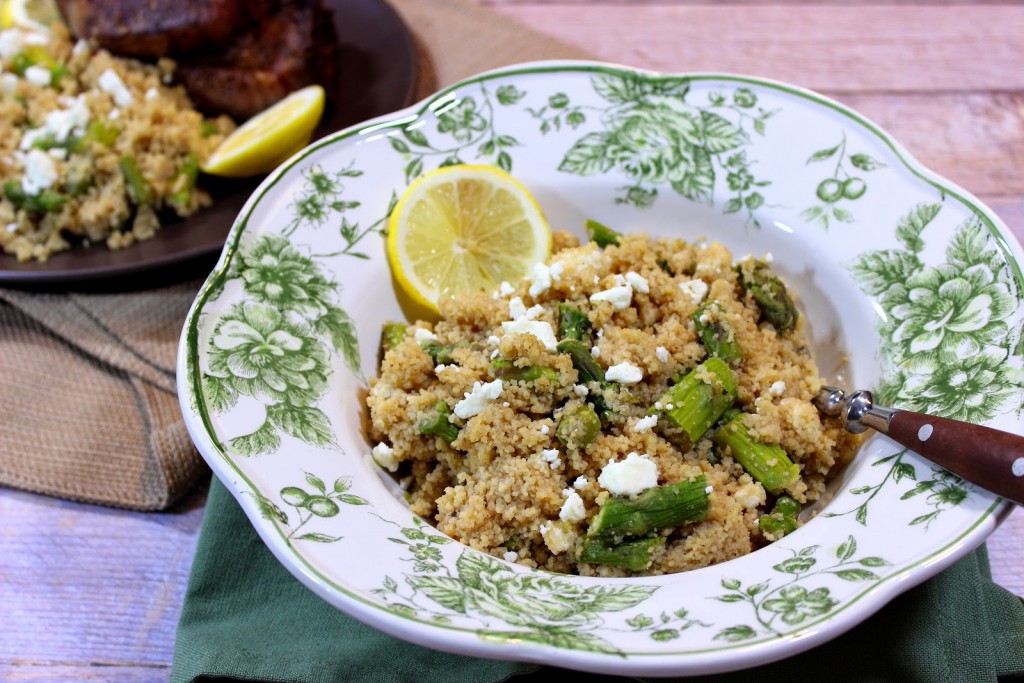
(464, 228)
(31, 14)
(269, 138)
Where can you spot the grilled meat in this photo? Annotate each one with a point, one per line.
(234, 57)
(160, 28)
(289, 48)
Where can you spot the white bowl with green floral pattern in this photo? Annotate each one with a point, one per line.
(910, 277)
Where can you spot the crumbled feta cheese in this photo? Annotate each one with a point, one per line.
(573, 509)
(495, 353)
(58, 153)
(538, 328)
(511, 556)
(637, 282)
(476, 399)
(151, 94)
(8, 83)
(697, 289)
(551, 456)
(555, 538)
(114, 114)
(619, 279)
(777, 389)
(624, 373)
(80, 48)
(493, 340)
(619, 297)
(580, 483)
(543, 276)
(12, 227)
(505, 289)
(39, 75)
(516, 308)
(662, 353)
(600, 333)
(384, 456)
(750, 495)
(644, 424)
(630, 476)
(442, 366)
(581, 390)
(112, 84)
(13, 40)
(40, 172)
(424, 336)
(59, 124)
(595, 351)
(544, 429)
(506, 404)
(768, 258)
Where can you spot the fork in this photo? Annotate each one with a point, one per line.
(990, 458)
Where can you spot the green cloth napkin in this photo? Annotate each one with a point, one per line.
(246, 618)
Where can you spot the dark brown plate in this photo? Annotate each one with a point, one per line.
(377, 73)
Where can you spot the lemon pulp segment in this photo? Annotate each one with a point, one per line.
(462, 229)
(269, 138)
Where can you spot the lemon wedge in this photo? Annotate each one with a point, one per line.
(461, 229)
(32, 14)
(269, 138)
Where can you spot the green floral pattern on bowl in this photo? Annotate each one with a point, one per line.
(904, 277)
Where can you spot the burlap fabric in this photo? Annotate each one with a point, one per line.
(88, 408)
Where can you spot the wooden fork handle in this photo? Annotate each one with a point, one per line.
(988, 457)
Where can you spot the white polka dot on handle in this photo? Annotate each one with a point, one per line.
(924, 432)
(1018, 467)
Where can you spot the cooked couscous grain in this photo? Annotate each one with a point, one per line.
(547, 457)
(93, 148)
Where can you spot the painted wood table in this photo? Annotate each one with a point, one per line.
(90, 593)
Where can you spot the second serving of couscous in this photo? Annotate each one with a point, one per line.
(637, 406)
(93, 148)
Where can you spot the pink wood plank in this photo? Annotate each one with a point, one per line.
(841, 48)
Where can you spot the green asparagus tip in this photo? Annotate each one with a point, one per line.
(601, 234)
(769, 292)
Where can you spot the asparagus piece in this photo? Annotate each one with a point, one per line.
(437, 423)
(767, 463)
(602, 234)
(689, 408)
(573, 324)
(102, 131)
(392, 335)
(781, 520)
(507, 370)
(634, 554)
(579, 426)
(769, 292)
(185, 182)
(717, 334)
(662, 507)
(47, 201)
(138, 189)
(582, 360)
(441, 354)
